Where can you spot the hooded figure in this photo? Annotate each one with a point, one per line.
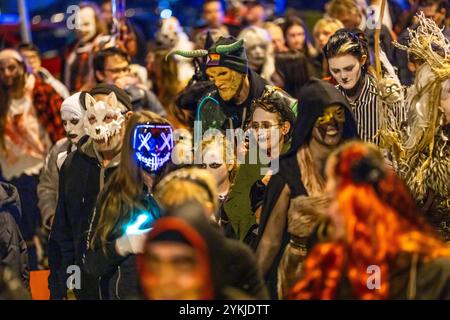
(207, 265)
(324, 121)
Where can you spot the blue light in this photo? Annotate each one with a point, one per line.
(166, 13)
(140, 220)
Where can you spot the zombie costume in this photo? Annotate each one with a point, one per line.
(259, 50)
(32, 124)
(420, 149)
(298, 171)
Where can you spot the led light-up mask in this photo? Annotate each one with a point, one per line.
(103, 119)
(152, 146)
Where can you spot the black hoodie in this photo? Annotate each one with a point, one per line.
(80, 180)
(315, 96)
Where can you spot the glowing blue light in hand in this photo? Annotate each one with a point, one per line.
(140, 220)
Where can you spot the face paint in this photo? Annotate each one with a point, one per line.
(73, 126)
(103, 122)
(227, 81)
(330, 126)
(87, 29)
(346, 69)
(256, 50)
(152, 146)
(213, 161)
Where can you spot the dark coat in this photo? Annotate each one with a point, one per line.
(80, 180)
(13, 249)
(315, 96)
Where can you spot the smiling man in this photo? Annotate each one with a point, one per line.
(82, 177)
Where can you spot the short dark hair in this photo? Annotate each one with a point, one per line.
(283, 111)
(100, 57)
(29, 46)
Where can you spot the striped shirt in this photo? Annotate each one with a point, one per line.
(365, 109)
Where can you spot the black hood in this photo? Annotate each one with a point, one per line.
(314, 97)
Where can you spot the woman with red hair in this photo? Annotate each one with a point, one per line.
(380, 246)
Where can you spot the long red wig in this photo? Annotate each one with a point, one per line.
(381, 220)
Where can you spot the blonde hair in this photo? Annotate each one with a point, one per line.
(185, 185)
(328, 23)
(336, 7)
(228, 154)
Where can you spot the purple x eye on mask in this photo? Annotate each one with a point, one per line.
(152, 146)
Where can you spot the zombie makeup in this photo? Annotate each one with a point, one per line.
(152, 146)
(103, 122)
(88, 29)
(329, 127)
(346, 70)
(228, 82)
(257, 42)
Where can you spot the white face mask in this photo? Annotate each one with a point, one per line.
(73, 125)
(87, 29)
(103, 122)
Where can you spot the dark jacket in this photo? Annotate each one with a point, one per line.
(81, 178)
(315, 96)
(13, 249)
(118, 277)
(232, 263)
(236, 116)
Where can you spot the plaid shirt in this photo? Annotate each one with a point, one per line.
(47, 104)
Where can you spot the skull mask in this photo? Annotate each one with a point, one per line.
(103, 121)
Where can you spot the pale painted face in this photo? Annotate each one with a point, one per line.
(73, 125)
(103, 122)
(257, 50)
(172, 272)
(213, 161)
(227, 81)
(346, 70)
(329, 127)
(88, 29)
